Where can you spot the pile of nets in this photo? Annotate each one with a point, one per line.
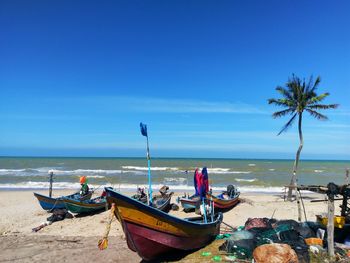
(276, 240)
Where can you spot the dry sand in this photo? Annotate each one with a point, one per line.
(75, 240)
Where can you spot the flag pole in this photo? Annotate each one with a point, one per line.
(143, 128)
(149, 174)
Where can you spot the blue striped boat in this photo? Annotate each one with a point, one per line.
(49, 203)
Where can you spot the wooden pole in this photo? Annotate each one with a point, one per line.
(149, 175)
(330, 226)
(302, 202)
(50, 180)
(299, 206)
(347, 176)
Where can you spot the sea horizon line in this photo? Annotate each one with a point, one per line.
(168, 157)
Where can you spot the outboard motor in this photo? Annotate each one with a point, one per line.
(231, 190)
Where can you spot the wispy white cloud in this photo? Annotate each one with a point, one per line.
(329, 125)
(339, 112)
(228, 135)
(162, 105)
(42, 117)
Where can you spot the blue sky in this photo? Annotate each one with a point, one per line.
(77, 77)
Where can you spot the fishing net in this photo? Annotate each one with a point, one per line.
(300, 248)
(242, 249)
(264, 236)
(257, 223)
(239, 235)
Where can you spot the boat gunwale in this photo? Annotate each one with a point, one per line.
(158, 213)
(84, 203)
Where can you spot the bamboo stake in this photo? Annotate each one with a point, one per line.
(302, 202)
(299, 206)
(51, 180)
(330, 226)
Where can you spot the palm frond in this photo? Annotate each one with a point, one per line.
(288, 124)
(293, 85)
(309, 84)
(317, 82)
(317, 115)
(280, 102)
(313, 98)
(284, 92)
(323, 106)
(303, 87)
(282, 113)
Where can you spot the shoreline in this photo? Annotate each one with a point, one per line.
(133, 190)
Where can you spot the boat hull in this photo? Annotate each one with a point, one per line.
(223, 204)
(85, 207)
(190, 202)
(49, 203)
(161, 202)
(219, 203)
(153, 233)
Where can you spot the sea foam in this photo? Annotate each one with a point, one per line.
(143, 168)
(245, 180)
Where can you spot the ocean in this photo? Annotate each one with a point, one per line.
(130, 173)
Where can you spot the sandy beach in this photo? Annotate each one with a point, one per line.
(75, 240)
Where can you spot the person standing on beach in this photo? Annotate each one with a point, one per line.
(84, 186)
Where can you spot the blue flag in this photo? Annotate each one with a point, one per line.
(143, 129)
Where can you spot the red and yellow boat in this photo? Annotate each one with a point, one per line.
(223, 203)
(152, 233)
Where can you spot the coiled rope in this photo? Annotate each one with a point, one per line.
(103, 243)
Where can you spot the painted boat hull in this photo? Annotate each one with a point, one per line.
(153, 233)
(223, 204)
(49, 203)
(85, 207)
(161, 202)
(189, 203)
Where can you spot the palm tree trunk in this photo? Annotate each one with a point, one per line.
(294, 180)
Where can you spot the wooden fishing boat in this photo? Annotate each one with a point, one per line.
(49, 203)
(160, 201)
(87, 206)
(223, 201)
(153, 233)
(226, 200)
(190, 202)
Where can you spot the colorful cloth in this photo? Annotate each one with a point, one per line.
(201, 182)
(205, 180)
(197, 181)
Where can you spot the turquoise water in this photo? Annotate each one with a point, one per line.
(129, 173)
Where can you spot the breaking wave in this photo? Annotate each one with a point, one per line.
(132, 187)
(143, 168)
(245, 180)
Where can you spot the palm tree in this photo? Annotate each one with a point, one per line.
(299, 96)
